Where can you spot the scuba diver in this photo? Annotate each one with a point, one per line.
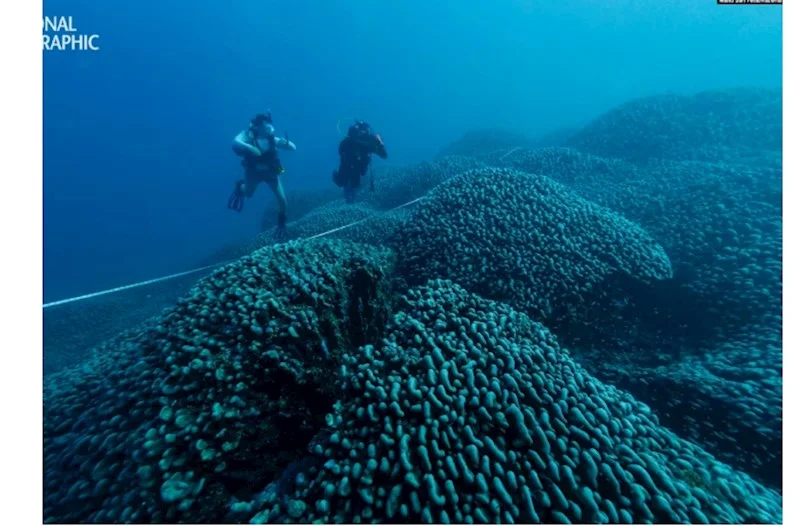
(258, 147)
(354, 157)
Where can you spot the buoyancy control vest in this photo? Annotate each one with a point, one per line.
(268, 162)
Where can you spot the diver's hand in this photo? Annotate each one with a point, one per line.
(292, 146)
(255, 151)
(381, 151)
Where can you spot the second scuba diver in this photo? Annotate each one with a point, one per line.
(354, 157)
(258, 146)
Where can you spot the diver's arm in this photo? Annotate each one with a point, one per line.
(348, 149)
(242, 147)
(380, 148)
(285, 144)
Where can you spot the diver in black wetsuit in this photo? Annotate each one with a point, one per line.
(354, 157)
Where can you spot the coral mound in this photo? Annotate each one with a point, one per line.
(523, 239)
(397, 185)
(719, 222)
(469, 412)
(221, 395)
(705, 126)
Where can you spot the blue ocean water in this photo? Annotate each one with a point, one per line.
(558, 300)
(137, 158)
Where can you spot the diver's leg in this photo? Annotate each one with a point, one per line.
(356, 184)
(277, 189)
(250, 184)
(266, 220)
(350, 188)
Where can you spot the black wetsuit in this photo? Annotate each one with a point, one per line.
(354, 159)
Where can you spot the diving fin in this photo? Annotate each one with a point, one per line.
(236, 200)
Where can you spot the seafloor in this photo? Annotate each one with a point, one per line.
(583, 328)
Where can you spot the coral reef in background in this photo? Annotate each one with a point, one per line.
(706, 126)
(720, 223)
(476, 142)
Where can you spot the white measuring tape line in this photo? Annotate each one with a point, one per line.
(194, 271)
(354, 223)
(509, 153)
(131, 286)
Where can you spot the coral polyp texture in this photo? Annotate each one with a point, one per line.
(168, 424)
(711, 336)
(720, 223)
(524, 239)
(470, 412)
(727, 397)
